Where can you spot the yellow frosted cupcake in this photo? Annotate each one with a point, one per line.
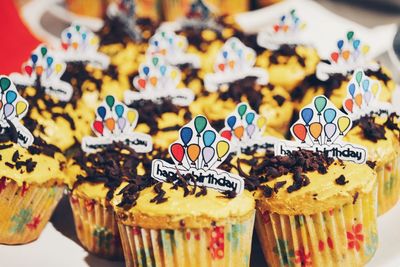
(188, 218)
(31, 171)
(288, 59)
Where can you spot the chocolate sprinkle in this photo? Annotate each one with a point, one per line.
(370, 129)
(341, 180)
(371, 164)
(355, 197)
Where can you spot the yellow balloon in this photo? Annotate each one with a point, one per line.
(173, 74)
(261, 122)
(94, 40)
(20, 107)
(131, 116)
(365, 49)
(222, 149)
(249, 57)
(375, 88)
(343, 124)
(58, 68)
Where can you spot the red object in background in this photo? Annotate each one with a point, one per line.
(16, 41)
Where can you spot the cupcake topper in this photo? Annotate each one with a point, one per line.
(350, 54)
(45, 67)
(321, 127)
(125, 11)
(158, 80)
(81, 44)
(115, 122)
(198, 152)
(173, 48)
(244, 128)
(199, 11)
(363, 96)
(234, 61)
(287, 29)
(13, 108)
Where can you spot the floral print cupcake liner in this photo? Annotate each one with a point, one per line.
(388, 185)
(228, 244)
(345, 236)
(25, 210)
(96, 228)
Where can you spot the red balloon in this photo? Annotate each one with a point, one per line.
(276, 27)
(221, 67)
(64, 45)
(177, 152)
(227, 134)
(300, 131)
(98, 126)
(349, 104)
(142, 83)
(28, 69)
(335, 56)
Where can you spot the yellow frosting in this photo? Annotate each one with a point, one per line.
(48, 169)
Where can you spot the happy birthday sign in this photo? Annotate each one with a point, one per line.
(363, 96)
(81, 44)
(287, 30)
(320, 128)
(244, 128)
(13, 108)
(173, 48)
(198, 152)
(157, 81)
(115, 122)
(235, 61)
(45, 67)
(351, 54)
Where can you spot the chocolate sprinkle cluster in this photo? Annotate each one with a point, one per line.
(286, 51)
(374, 131)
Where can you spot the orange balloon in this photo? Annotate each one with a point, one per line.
(285, 28)
(315, 130)
(346, 54)
(231, 64)
(110, 123)
(39, 70)
(153, 81)
(193, 152)
(358, 99)
(75, 45)
(239, 132)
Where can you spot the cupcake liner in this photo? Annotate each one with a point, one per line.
(25, 210)
(345, 236)
(220, 245)
(96, 228)
(388, 185)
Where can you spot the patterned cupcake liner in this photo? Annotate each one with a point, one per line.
(345, 236)
(388, 185)
(96, 228)
(25, 210)
(220, 245)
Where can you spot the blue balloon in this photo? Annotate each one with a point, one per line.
(146, 70)
(69, 35)
(209, 138)
(83, 36)
(119, 109)
(283, 18)
(352, 89)
(156, 43)
(102, 112)
(186, 135)
(365, 85)
(250, 117)
(340, 44)
(225, 54)
(49, 61)
(231, 121)
(307, 114)
(163, 69)
(329, 115)
(240, 53)
(356, 44)
(34, 58)
(10, 97)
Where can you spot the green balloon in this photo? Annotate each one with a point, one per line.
(350, 35)
(200, 123)
(320, 103)
(77, 27)
(155, 61)
(43, 50)
(242, 110)
(4, 83)
(359, 77)
(110, 100)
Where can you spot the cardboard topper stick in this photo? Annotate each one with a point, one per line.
(234, 61)
(115, 122)
(44, 66)
(244, 128)
(13, 108)
(350, 54)
(287, 29)
(157, 81)
(173, 48)
(321, 127)
(363, 96)
(198, 152)
(81, 44)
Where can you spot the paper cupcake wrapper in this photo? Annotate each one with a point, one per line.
(388, 185)
(96, 228)
(25, 210)
(345, 236)
(221, 245)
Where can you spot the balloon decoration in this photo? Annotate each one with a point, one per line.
(362, 95)
(79, 39)
(289, 23)
(199, 146)
(349, 50)
(167, 43)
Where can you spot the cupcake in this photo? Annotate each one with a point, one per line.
(377, 127)
(288, 58)
(32, 173)
(57, 114)
(214, 222)
(115, 154)
(162, 100)
(236, 80)
(333, 74)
